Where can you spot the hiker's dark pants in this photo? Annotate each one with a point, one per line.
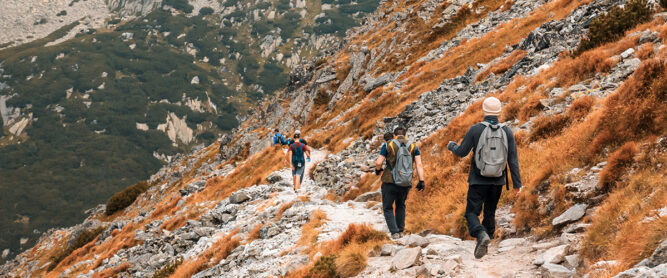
(391, 194)
(486, 196)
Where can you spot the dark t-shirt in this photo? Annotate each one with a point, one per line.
(390, 156)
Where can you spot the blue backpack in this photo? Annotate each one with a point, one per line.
(298, 159)
(279, 139)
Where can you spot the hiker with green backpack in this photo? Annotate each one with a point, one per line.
(297, 155)
(400, 155)
(493, 149)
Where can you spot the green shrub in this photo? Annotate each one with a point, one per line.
(168, 269)
(612, 26)
(325, 267)
(82, 239)
(126, 197)
(182, 5)
(62, 13)
(206, 11)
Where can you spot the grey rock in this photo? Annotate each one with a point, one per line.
(380, 81)
(659, 255)
(554, 255)
(659, 271)
(368, 196)
(269, 231)
(238, 198)
(416, 240)
(274, 178)
(572, 261)
(555, 271)
(572, 214)
(388, 250)
(627, 53)
(406, 258)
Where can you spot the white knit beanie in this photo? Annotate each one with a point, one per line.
(491, 106)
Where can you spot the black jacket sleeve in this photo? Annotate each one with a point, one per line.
(513, 159)
(466, 145)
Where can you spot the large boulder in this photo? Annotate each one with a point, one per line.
(406, 258)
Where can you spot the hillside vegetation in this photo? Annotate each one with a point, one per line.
(588, 116)
(91, 111)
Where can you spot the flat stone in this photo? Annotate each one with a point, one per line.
(416, 240)
(511, 242)
(555, 271)
(406, 258)
(572, 214)
(369, 196)
(545, 245)
(238, 198)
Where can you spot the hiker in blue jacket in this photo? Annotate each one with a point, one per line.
(278, 139)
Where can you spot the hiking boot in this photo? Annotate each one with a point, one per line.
(482, 246)
(395, 236)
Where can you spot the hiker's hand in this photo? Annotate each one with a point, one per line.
(378, 171)
(451, 145)
(420, 186)
(517, 191)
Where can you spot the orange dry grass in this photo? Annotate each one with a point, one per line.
(174, 223)
(627, 227)
(355, 233)
(119, 240)
(617, 164)
(282, 209)
(503, 65)
(254, 233)
(636, 109)
(253, 171)
(111, 272)
(167, 207)
(367, 183)
(218, 251)
(352, 260)
(310, 230)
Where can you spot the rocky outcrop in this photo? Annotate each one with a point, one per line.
(133, 7)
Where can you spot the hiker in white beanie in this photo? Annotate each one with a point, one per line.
(493, 149)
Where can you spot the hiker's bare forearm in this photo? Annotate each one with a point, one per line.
(378, 162)
(420, 168)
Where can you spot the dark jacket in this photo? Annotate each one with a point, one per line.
(470, 143)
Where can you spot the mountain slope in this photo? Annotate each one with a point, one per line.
(590, 129)
(92, 108)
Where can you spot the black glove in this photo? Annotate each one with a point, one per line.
(378, 171)
(451, 145)
(420, 186)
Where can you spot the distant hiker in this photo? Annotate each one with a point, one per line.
(295, 157)
(493, 149)
(278, 138)
(400, 155)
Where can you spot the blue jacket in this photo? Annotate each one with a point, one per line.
(278, 139)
